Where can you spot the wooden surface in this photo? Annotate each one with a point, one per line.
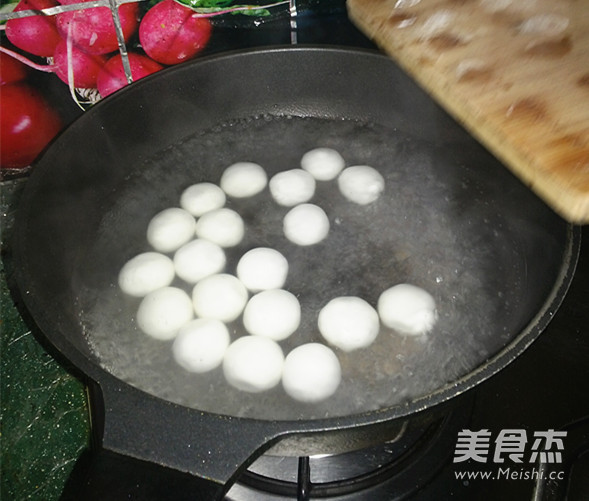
(515, 73)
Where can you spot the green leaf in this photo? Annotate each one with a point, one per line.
(219, 7)
(212, 3)
(208, 4)
(6, 8)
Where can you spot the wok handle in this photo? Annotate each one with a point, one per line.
(104, 474)
(134, 434)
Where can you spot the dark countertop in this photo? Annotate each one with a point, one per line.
(45, 424)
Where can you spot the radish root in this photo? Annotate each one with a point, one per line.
(48, 68)
(70, 70)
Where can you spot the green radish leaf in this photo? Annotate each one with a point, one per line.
(6, 8)
(210, 8)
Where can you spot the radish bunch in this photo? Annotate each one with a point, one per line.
(83, 44)
(170, 33)
(82, 49)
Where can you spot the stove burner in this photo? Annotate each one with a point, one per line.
(390, 471)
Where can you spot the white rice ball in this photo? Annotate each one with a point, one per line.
(324, 164)
(253, 364)
(163, 312)
(306, 224)
(262, 268)
(275, 314)
(311, 373)
(361, 184)
(349, 323)
(292, 187)
(221, 297)
(201, 198)
(201, 345)
(170, 228)
(243, 179)
(145, 273)
(199, 259)
(224, 226)
(408, 309)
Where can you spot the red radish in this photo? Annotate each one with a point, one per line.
(85, 67)
(112, 76)
(93, 30)
(171, 33)
(38, 34)
(27, 125)
(11, 70)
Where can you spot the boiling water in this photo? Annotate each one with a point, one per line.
(435, 226)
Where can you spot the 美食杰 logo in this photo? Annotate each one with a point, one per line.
(518, 453)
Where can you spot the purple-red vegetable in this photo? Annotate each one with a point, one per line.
(84, 67)
(38, 34)
(11, 70)
(27, 124)
(171, 33)
(93, 30)
(112, 76)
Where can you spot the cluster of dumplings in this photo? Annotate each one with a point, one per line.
(189, 242)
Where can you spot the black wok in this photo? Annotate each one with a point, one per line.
(452, 220)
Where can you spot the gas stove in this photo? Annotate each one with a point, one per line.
(544, 390)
